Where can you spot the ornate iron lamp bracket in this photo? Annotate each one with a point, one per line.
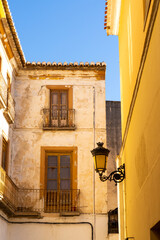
(117, 176)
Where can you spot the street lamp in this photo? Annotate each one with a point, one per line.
(100, 156)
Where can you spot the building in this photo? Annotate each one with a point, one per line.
(51, 116)
(114, 141)
(137, 25)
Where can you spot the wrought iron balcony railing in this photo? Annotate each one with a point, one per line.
(8, 192)
(58, 119)
(50, 201)
(16, 201)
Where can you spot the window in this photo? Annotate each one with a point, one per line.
(9, 112)
(59, 107)
(4, 154)
(60, 113)
(113, 221)
(59, 178)
(58, 171)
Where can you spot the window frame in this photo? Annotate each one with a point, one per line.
(65, 119)
(69, 88)
(59, 154)
(59, 105)
(49, 149)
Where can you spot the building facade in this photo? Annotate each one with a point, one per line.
(51, 116)
(114, 141)
(137, 25)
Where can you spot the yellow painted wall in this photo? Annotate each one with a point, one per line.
(131, 41)
(141, 153)
(2, 12)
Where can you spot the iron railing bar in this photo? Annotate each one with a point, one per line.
(27, 200)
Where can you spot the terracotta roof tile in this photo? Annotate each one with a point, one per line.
(54, 64)
(75, 64)
(17, 46)
(65, 64)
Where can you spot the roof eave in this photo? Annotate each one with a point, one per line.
(13, 37)
(112, 17)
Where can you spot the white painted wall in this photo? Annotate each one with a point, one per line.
(49, 232)
(6, 65)
(44, 229)
(3, 227)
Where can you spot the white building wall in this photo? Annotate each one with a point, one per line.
(6, 67)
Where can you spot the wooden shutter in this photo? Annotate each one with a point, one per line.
(59, 108)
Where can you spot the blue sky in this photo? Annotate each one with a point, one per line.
(72, 30)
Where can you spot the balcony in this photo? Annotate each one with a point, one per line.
(58, 119)
(9, 112)
(6, 101)
(33, 202)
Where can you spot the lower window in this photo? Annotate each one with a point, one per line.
(113, 221)
(60, 180)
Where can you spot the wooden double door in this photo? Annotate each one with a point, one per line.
(58, 181)
(59, 108)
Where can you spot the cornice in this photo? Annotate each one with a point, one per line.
(12, 35)
(65, 65)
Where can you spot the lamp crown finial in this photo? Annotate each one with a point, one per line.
(100, 144)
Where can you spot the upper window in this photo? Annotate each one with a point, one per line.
(59, 108)
(60, 113)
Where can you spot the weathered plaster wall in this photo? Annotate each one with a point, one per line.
(31, 96)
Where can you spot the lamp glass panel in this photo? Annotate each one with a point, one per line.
(100, 160)
(95, 164)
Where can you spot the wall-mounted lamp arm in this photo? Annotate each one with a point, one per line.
(117, 176)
